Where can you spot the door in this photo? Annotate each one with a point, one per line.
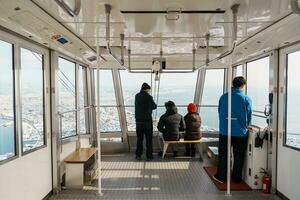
(288, 175)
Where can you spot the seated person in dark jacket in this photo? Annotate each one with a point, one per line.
(192, 131)
(170, 124)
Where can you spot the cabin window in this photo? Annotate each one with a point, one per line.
(176, 87)
(258, 88)
(109, 117)
(238, 71)
(292, 126)
(83, 100)
(67, 97)
(32, 100)
(212, 91)
(7, 103)
(131, 85)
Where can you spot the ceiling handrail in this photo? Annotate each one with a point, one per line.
(234, 9)
(109, 50)
(67, 8)
(295, 6)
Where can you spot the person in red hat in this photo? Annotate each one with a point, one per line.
(192, 132)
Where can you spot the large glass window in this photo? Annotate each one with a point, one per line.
(7, 113)
(293, 92)
(238, 71)
(67, 97)
(258, 88)
(131, 85)
(82, 98)
(212, 91)
(177, 87)
(109, 116)
(32, 99)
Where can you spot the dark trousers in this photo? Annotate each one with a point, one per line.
(144, 129)
(239, 145)
(190, 148)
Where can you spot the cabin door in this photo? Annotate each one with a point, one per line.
(288, 162)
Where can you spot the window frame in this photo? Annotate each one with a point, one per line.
(107, 134)
(15, 93)
(224, 85)
(285, 99)
(256, 113)
(86, 110)
(76, 95)
(150, 77)
(44, 100)
(19, 42)
(223, 89)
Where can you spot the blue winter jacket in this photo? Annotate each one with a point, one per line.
(241, 113)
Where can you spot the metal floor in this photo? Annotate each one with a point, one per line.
(180, 178)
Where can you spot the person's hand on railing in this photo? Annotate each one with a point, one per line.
(250, 129)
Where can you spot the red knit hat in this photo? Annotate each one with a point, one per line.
(192, 108)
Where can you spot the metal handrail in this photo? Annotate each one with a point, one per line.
(75, 110)
(176, 106)
(119, 60)
(69, 10)
(295, 6)
(61, 115)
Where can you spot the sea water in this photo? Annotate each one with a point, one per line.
(7, 138)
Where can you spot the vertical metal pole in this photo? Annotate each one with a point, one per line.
(98, 113)
(234, 9)
(229, 131)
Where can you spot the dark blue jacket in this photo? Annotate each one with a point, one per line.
(241, 113)
(144, 104)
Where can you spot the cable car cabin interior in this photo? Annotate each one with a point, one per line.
(70, 73)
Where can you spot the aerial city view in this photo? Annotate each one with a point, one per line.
(32, 104)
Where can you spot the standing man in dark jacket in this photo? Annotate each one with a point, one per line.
(171, 123)
(144, 105)
(192, 132)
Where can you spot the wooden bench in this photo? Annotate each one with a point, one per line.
(79, 163)
(181, 141)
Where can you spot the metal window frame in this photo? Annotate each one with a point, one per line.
(120, 104)
(194, 99)
(19, 42)
(83, 70)
(61, 56)
(285, 54)
(256, 112)
(106, 133)
(14, 93)
(44, 97)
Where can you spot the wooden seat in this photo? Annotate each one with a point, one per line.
(81, 155)
(181, 141)
(80, 167)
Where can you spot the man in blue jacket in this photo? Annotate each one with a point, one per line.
(241, 113)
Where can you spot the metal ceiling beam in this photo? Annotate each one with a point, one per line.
(167, 12)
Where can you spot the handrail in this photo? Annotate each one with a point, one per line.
(234, 9)
(75, 110)
(178, 106)
(109, 50)
(295, 6)
(69, 10)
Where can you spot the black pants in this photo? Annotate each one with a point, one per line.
(239, 145)
(190, 148)
(144, 128)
